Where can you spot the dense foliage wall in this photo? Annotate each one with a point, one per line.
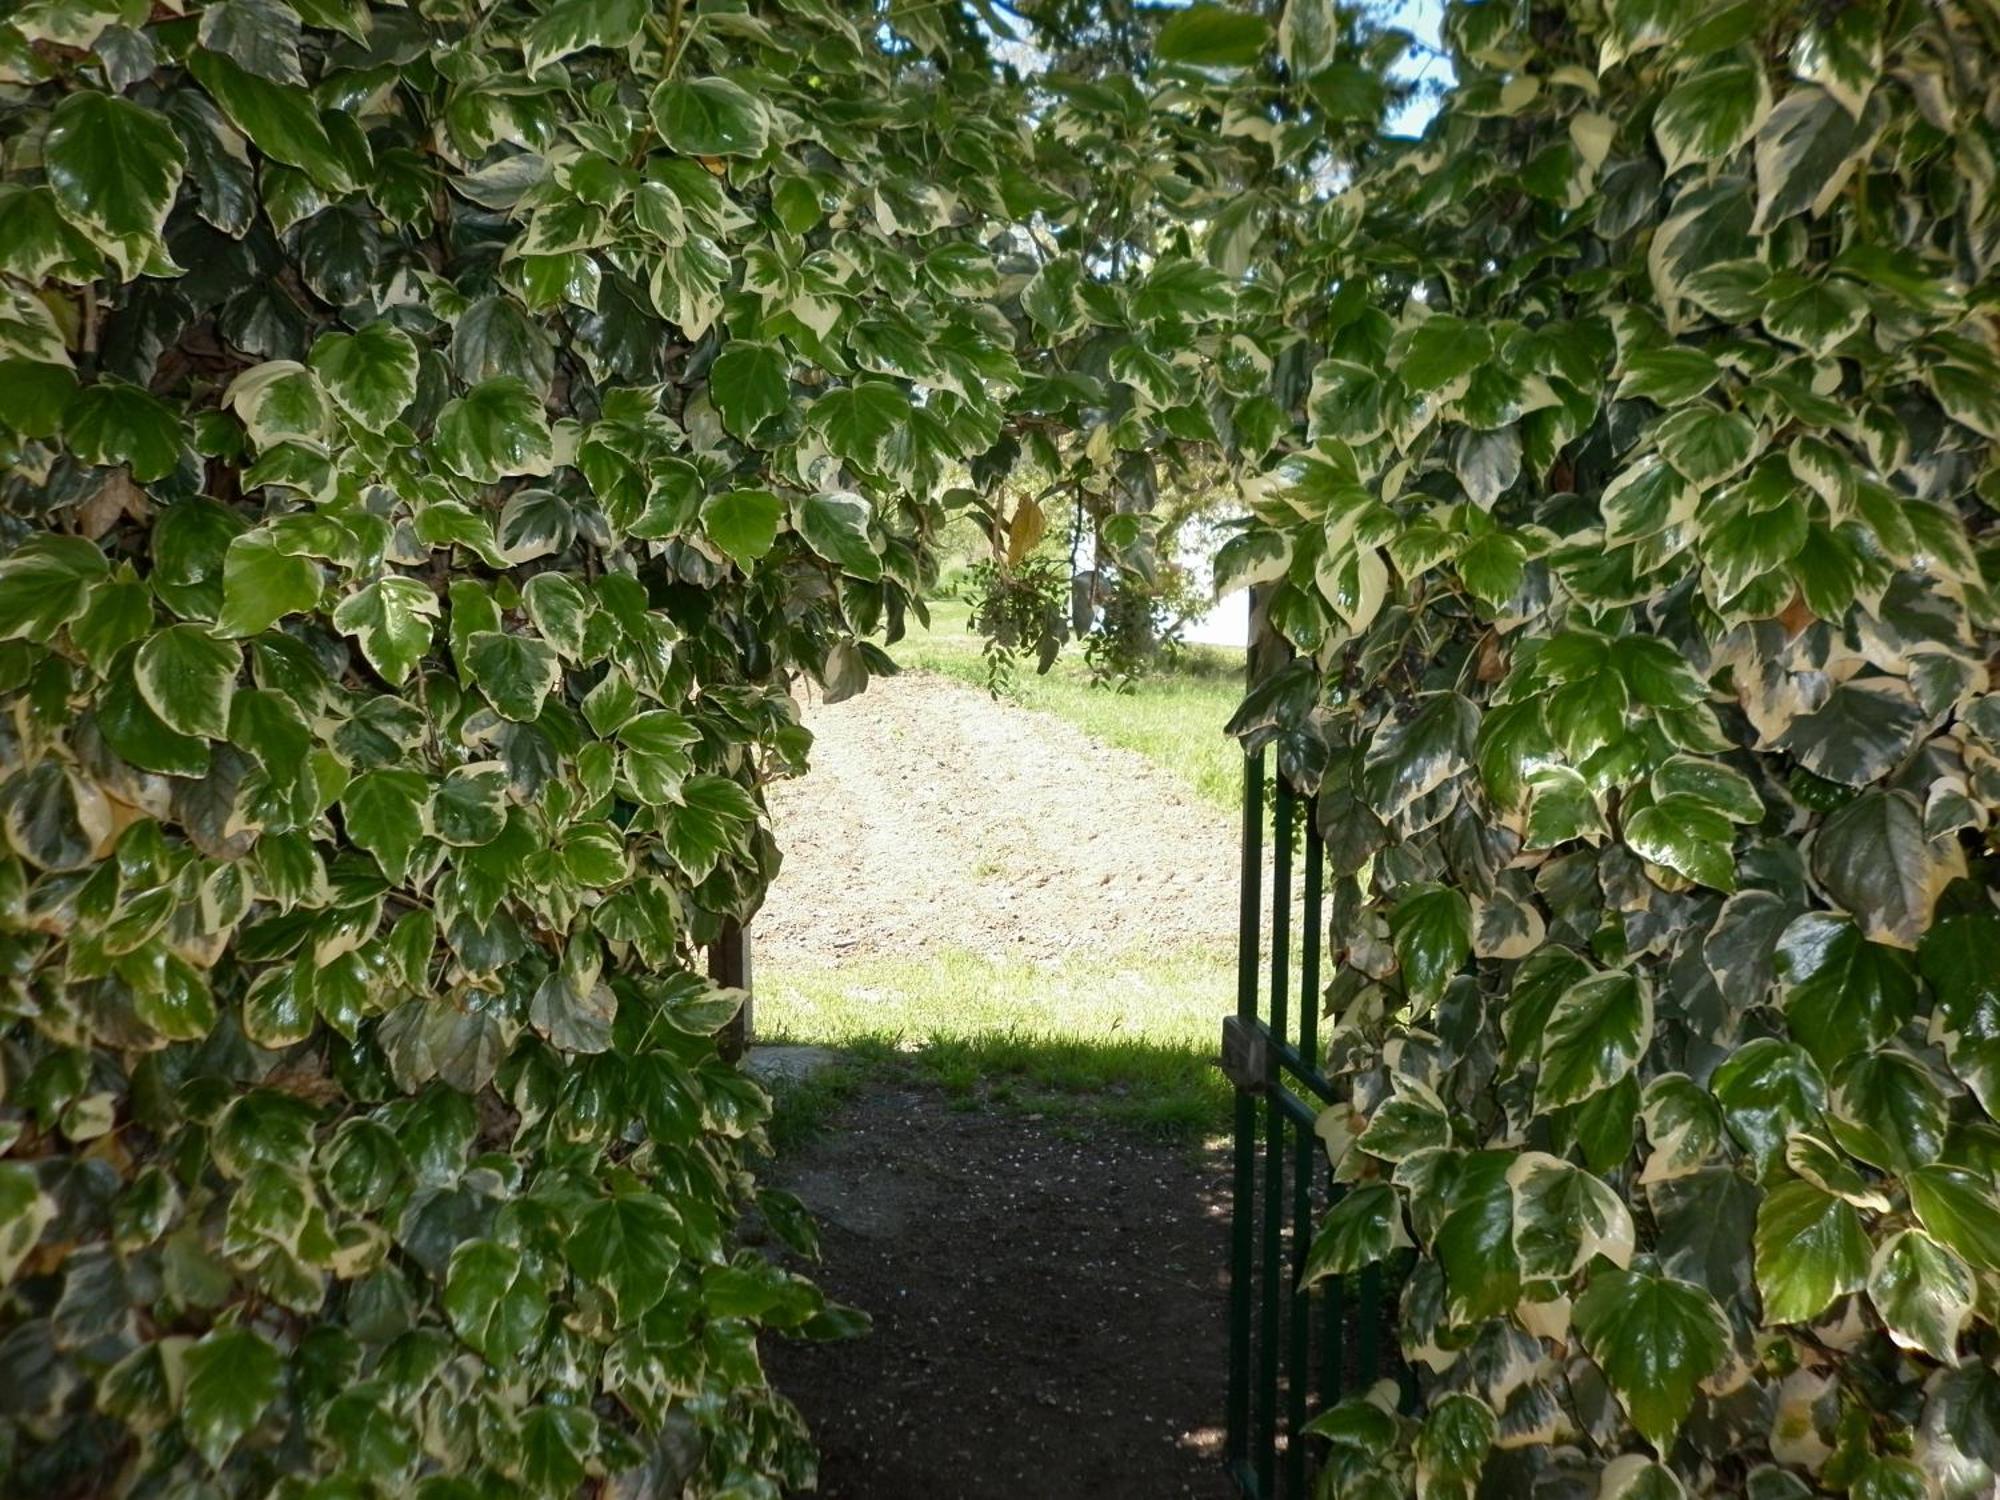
(1640, 565)
(433, 435)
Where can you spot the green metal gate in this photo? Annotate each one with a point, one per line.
(1292, 1351)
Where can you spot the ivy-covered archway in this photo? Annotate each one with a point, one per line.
(434, 433)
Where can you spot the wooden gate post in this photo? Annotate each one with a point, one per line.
(729, 964)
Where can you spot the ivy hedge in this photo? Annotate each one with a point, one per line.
(1640, 563)
(435, 436)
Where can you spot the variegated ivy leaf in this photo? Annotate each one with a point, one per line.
(1364, 1228)
(1656, 1339)
(1564, 1218)
(1594, 1036)
(1811, 1248)
(1922, 1292)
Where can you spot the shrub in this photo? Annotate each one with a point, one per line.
(1640, 570)
(435, 435)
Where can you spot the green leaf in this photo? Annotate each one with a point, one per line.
(187, 676)
(1859, 734)
(515, 672)
(835, 525)
(261, 585)
(749, 384)
(710, 117)
(1475, 1243)
(233, 1378)
(1656, 1339)
(1922, 1292)
(1564, 1218)
(1875, 861)
(371, 373)
(25, 1211)
(576, 25)
(1842, 994)
(110, 422)
(743, 523)
(1706, 444)
(495, 430)
(282, 122)
(1807, 148)
(114, 167)
(383, 812)
(1768, 1090)
(1687, 835)
(1712, 112)
(710, 820)
(1440, 349)
(861, 421)
(1810, 1248)
(469, 806)
(1432, 928)
(261, 36)
(391, 620)
(1594, 1037)
(629, 1244)
(1958, 1207)
(45, 583)
(1212, 36)
(493, 1303)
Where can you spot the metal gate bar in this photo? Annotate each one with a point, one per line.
(1273, 1057)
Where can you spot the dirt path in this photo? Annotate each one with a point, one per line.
(1048, 1310)
(935, 816)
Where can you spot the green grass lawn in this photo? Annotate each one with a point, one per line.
(1172, 718)
(1128, 1041)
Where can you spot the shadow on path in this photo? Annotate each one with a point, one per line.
(1048, 1302)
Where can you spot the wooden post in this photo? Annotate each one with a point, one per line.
(729, 964)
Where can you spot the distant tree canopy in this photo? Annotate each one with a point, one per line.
(436, 435)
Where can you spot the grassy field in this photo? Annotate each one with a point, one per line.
(1174, 718)
(1127, 1042)
(1097, 1039)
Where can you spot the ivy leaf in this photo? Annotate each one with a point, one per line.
(749, 384)
(233, 1377)
(1712, 111)
(392, 620)
(187, 676)
(1811, 1248)
(46, 583)
(1439, 350)
(575, 25)
(1594, 1037)
(383, 813)
(1922, 1292)
(1686, 835)
(1957, 1206)
(628, 1244)
(1875, 861)
(493, 1303)
(515, 672)
(1416, 749)
(1807, 148)
(1432, 927)
(1768, 1090)
(1843, 994)
(1212, 36)
(1705, 444)
(469, 807)
(707, 823)
(110, 422)
(496, 429)
(1564, 1218)
(835, 525)
(283, 122)
(710, 117)
(1656, 1339)
(114, 166)
(25, 1211)
(371, 373)
(860, 421)
(261, 36)
(743, 523)
(261, 585)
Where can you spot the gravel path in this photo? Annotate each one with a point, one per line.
(934, 815)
